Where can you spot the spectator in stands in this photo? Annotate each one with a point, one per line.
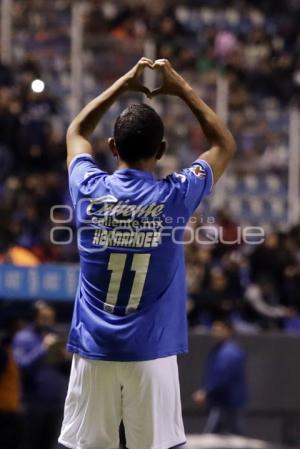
(213, 302)
(272, 261)
(9, 397)
(261, 307)
(224, 389)
(228, 230)
(9, 132)
(265, 260)
(44, 365)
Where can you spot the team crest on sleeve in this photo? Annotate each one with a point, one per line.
(198, 171)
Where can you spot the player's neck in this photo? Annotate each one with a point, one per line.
(147, 166)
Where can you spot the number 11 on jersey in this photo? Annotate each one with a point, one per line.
(116, 265)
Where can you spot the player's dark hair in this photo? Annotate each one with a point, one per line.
(138, 132)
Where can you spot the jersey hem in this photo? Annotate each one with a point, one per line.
(133, 358)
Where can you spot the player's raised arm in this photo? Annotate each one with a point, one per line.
(85, 122)
(222, 144)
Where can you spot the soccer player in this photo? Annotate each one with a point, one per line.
(129, 320)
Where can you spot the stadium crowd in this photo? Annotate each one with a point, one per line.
(256, 44)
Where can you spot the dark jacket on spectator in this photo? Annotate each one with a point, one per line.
(42, 381)
(225, 382)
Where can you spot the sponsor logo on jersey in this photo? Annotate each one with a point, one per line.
(108, 205)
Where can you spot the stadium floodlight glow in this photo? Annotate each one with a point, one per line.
(37, 86)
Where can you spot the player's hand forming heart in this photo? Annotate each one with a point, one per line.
(173, 83)
(133, 77)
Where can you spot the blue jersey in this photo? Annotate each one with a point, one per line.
(131, 297)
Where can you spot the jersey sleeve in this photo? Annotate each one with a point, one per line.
(83, 174)
(194, 183)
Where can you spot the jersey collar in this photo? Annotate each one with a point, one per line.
(133, 173)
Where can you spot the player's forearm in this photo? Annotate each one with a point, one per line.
(214, 129)
(86, 121)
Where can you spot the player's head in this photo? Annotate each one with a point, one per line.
(222, 330)
(138, 135)
(44, 315)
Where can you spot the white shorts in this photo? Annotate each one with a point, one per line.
(145, 395)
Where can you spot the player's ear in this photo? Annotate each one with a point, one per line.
(162, 149)
(112, 145)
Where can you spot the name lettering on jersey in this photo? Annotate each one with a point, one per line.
(131, 239)
(130, 225)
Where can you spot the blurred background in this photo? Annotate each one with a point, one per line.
(243, 58)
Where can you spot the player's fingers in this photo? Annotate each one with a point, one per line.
(157, 91)
(145, 90)
(160, 65)
(145, 62)
(148, 60)
(162, 62)
(141, 66)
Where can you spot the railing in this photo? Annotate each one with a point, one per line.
(50, 281)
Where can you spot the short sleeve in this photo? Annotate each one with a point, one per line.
(194, 182)
(83, 174)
